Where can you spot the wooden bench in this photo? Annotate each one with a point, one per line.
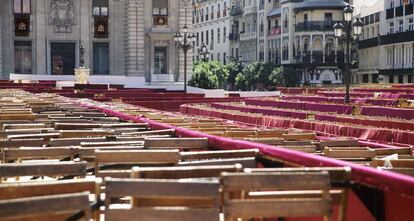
(52, 169)
(172, 200)
(390, 151)
(176, 143)
(136, 157)
(238, 204)
(55, 207)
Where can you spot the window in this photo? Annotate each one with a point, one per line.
(224, 34)
(207, 36)
(328, 19)
(160, 12)
(101, 58)
(160, 60)
(400, 79)
(401, 26)
(100, 8)
(224, 58)
(212, 36)
(218, 10)
(410, 24)
(391, 27)
(218, 36)
(23, 57)
(22, 6)
(218, 57)
(22, 10)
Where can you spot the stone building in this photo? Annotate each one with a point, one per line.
(212, 25)
(387, 45)
(122, 38)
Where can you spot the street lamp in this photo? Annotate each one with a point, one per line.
(203, 51)
(348, 31)
(185, 41)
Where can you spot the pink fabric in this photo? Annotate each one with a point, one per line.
(403, 113)
(364, 133)
(311, 106)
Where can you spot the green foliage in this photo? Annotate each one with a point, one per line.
(234, 67)
(248, 78)
(277, 76)
(209, 75)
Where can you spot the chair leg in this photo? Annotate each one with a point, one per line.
(344, 205)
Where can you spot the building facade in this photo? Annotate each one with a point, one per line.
(387, 46)
(119, 37)
(211, 22)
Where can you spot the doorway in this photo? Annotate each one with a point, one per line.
(63, 58)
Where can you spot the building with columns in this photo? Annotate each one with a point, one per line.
(132, 38)
(387, 45)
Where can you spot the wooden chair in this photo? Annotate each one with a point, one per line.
(135, 157)
(299, 136)
(55, 207)
(52, 169)
(176, 143)
(340, 179)
(170, 200)
(238, 203)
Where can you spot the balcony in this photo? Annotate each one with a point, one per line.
(409, 9)
(248, 36)
(390, 13)
(233, 36)
(250, 10)
(236, 11)
(399, 11)
(400, 37)
(315, 26)
(275, 31)
(368, 43)
(318, 57)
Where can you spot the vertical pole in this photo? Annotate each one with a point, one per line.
(348, 58)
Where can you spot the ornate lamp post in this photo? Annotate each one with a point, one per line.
(348, 31)
(203, 51)
(185, 41)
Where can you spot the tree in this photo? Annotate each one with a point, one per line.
(291, 77)
(248, 78)
(277, 76)
(209, 75)
(234, 67)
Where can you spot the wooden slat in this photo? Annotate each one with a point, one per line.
(219, 154)
(165, 214)
(272, 180)
(45, 204)
(37, 153)
(176, 142)
(20, 143)
(275, 208)
(42, 169)
(137, 156)
(44, 188)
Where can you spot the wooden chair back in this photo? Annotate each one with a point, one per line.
(241, 206)
(218, 154)
(164, 199)
(39, 153)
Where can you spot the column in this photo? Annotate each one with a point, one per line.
(134, 38)
(185, 18)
